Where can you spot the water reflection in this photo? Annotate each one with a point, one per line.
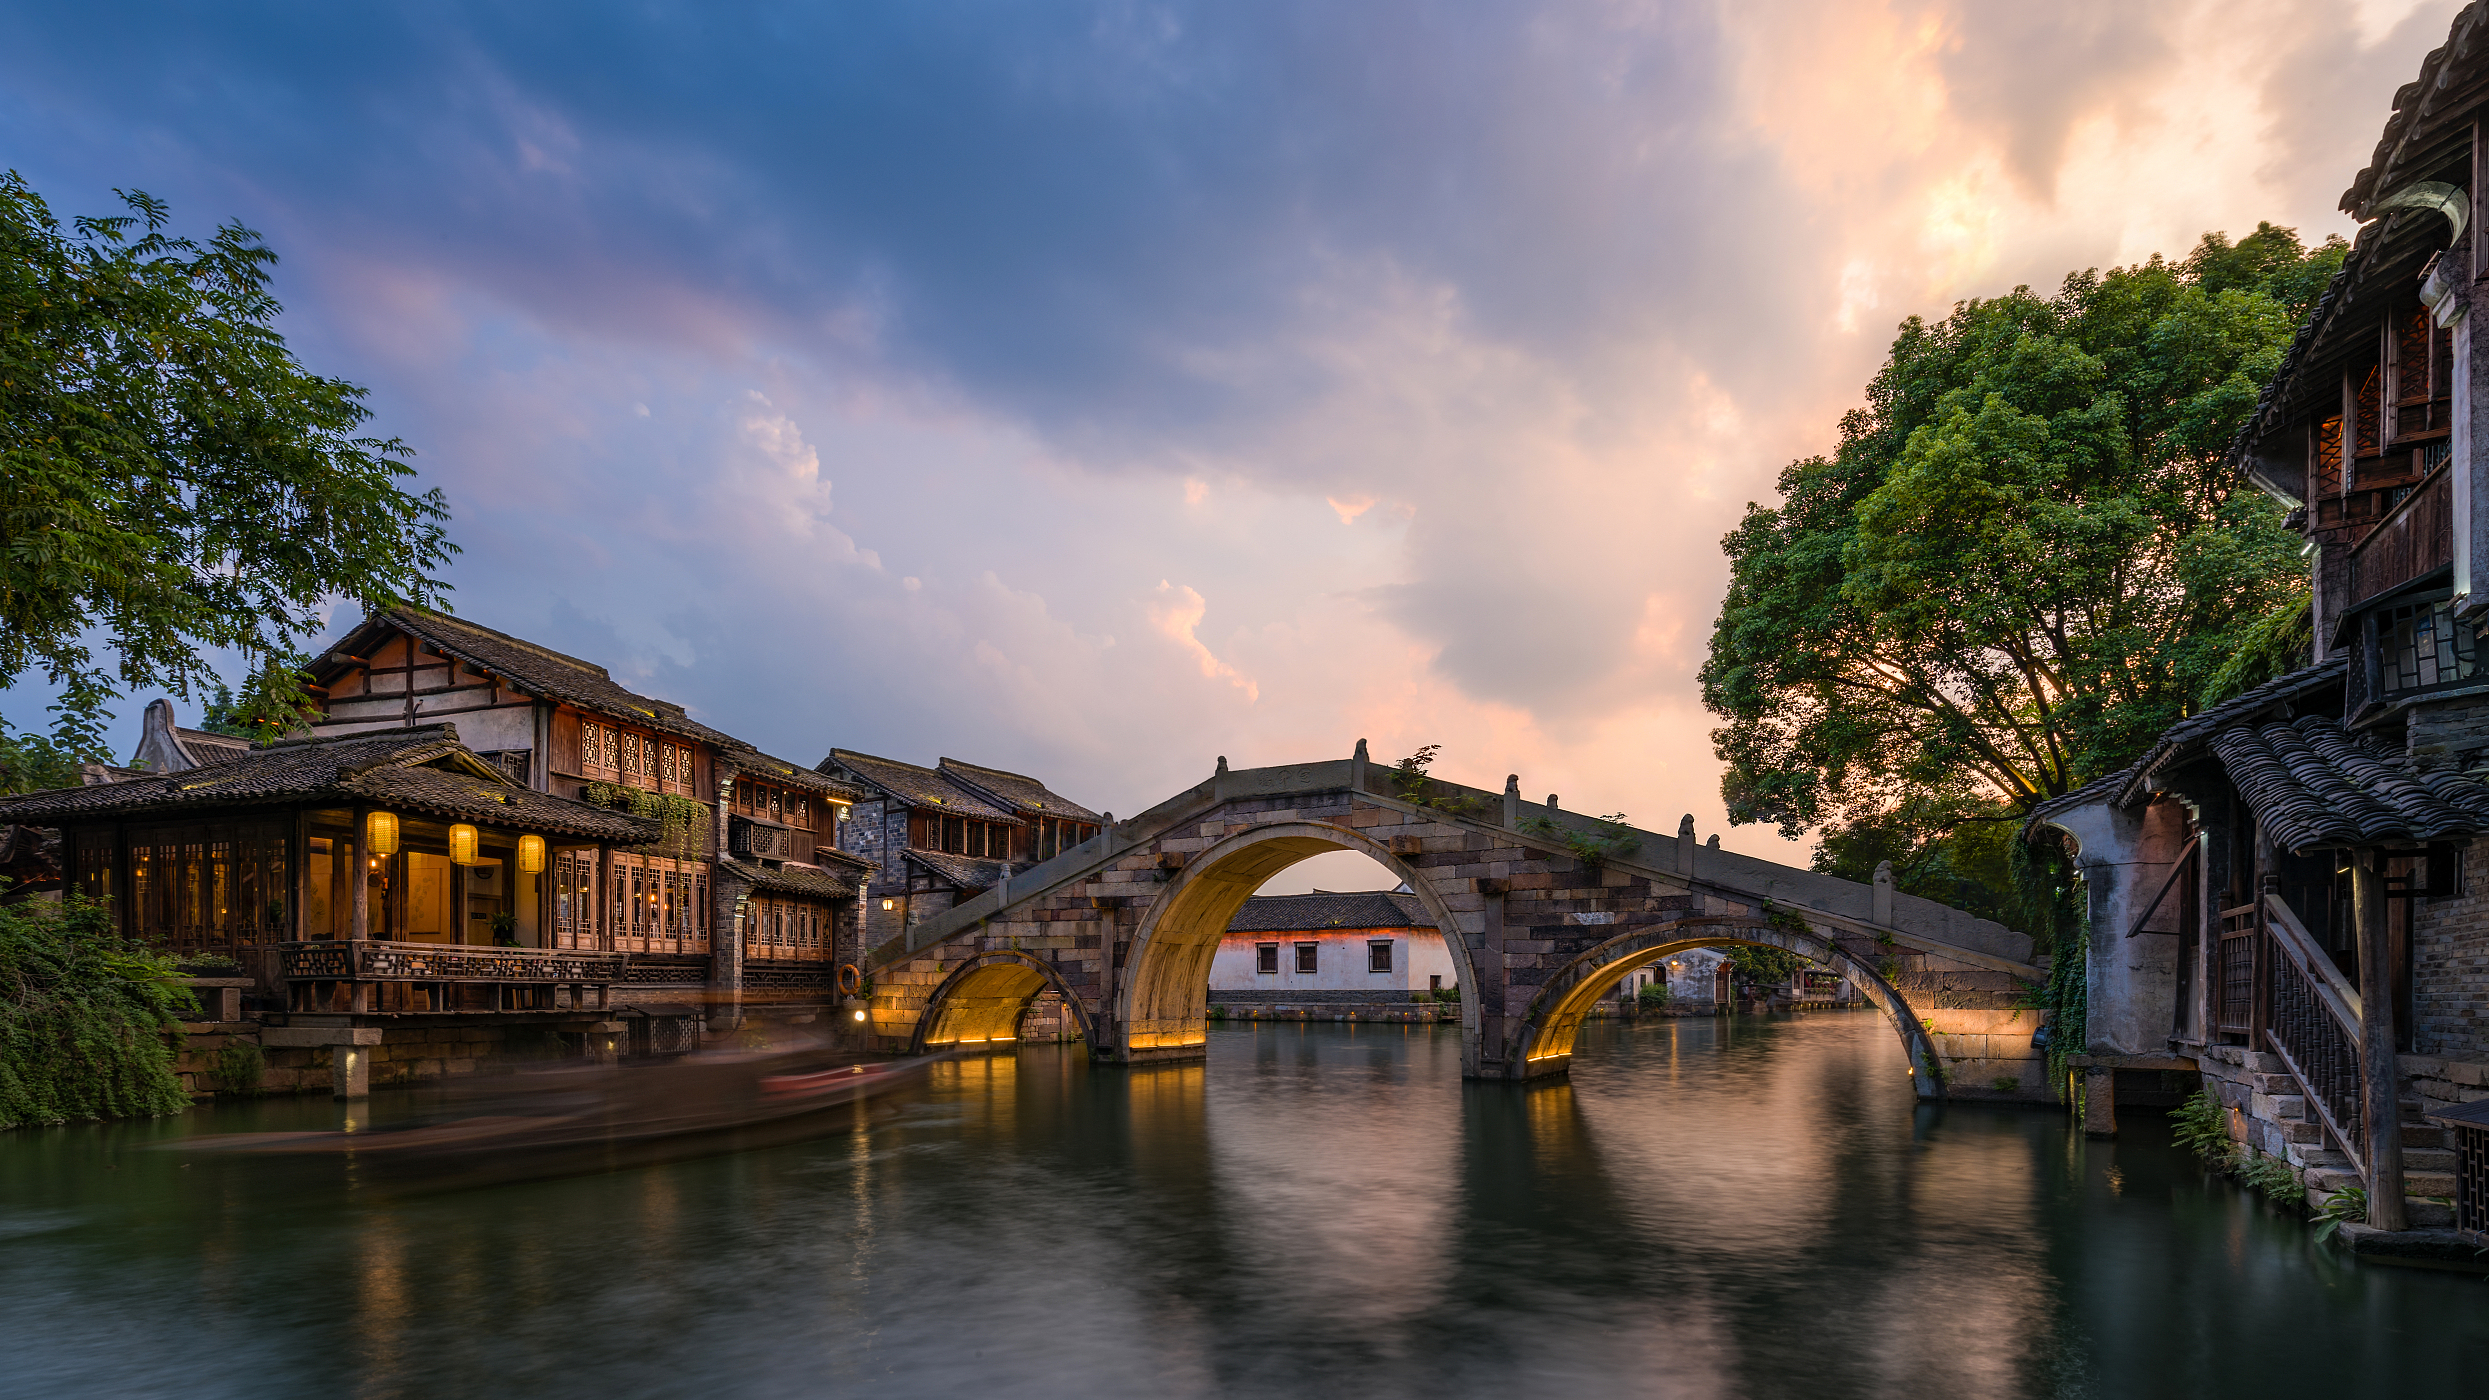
(1747, 1208)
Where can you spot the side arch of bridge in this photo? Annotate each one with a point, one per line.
(1556, 1014)
(1124, 927)
(982, 1000)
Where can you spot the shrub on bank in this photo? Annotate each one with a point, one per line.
(82, 1016)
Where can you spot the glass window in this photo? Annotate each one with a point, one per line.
(1266, 957)
(2420, 647)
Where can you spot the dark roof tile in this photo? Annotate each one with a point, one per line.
(1308, 913)
(2312, 784)
(424, 769)
(802, 881)
(1031, 797)
(919, 786)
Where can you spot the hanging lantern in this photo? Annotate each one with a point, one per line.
(462, 844)
(531, 854)
(380, 833)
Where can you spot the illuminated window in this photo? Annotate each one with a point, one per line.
(1266, 958)
(1305, 954)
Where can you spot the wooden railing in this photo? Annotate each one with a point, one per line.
(2312, 1021)
(378, 975)
(381, 960)
(2234, 971)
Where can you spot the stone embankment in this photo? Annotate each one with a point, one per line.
(2270, 1116)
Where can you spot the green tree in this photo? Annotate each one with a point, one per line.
(172, 480)
(2024, 561)
(82, 1016)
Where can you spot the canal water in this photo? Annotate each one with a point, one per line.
(1737, 1208)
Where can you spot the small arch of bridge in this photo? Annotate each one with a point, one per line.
(1556, 1013)
(982, 1000)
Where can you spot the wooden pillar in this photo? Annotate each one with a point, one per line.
(119, 885)
(2380, 1076)
(300, 854)
(458, 904)
(600, 902)
(359, 882)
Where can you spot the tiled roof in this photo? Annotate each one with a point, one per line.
(919, 786)
(755, 764)
(967, 872)
(1305, 913)
(2281, 698)
(2312, 783)
(204, 747)
(539, 671)
(2447, 89)
(1031, 797)
(2429, 125)
(424, 769)
(802, 881)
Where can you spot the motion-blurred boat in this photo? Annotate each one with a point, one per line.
(564, 1122)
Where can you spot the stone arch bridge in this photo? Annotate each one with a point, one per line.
(1124, 926)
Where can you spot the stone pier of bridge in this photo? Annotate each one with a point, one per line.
(1544, 912)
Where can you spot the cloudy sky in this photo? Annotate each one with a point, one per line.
(1095, 389)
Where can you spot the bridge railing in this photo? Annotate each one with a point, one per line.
(1842, 905)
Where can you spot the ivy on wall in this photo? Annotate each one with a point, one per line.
(683, 823)
(82, 1016)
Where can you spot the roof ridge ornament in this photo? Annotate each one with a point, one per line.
(2445, 199)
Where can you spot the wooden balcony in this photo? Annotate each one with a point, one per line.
(379, 976)
(2414, 538)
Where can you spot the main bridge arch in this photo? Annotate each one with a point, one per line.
(1165, 1000)
(1539, 922)
(1555, 1015)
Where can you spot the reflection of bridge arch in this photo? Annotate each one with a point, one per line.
(1165, 998)
(983, 999)
(1555, 1015)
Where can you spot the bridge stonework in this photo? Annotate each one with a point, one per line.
(1123, 928)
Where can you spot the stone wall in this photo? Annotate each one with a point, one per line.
(405, 1056)
(2450, 966)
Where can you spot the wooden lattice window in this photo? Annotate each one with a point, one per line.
(2325, 446)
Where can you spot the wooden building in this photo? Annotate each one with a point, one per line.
(744, 897)
(944, 834)
(372, 874)
(2290, 889)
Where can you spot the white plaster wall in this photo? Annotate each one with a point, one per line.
(1341, 964)
(2125, 857)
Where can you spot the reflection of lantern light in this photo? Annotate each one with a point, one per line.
(462, 843)
(380, 833)
(531, 855)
